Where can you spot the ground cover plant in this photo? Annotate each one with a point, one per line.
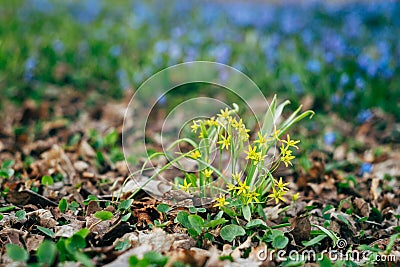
(321, 188)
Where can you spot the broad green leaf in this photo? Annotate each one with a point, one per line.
(126, 217)
(313, 241)
(21, 214)
(280, 242)
(103, 215)
(182, 218)
(1, 216)
(246, 212)
(125, 204)
(163, 208)
(196, 222)
(231, 231)
(46, 231)
(213, 223)
(256, 223)
(84, 232)
(16, 253)
(46, 253)
(7, 164)
(47, 180)
(82, 258)
(63, 205)
(7, 208)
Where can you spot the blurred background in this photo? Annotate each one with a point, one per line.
(345, 55)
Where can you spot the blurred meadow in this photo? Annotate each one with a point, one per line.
(346, 56)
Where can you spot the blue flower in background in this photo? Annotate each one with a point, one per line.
(329, 138)
(366, 167)
(313, 66)
(364, 116)
(30, 65)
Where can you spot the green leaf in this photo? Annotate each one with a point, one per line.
(1, 216)
(163, 208)
(280, 242)
(313, 241)
(196, 222)
(46, 231)
(46, 253)
(256, 223)
(392, 240)
(82, 258)
(7, 164)
(103, 215)
(231, 231)
(16, 253)
(126, 217)
(47, 180)
(7, 208)
(328, 233)
(21, 214)
(125, 204)
(182, 218)
(213, 223)
(192, 209)
(63, 205)
(84, 232)
(246, 212)
(155, 258)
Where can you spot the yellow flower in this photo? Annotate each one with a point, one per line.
(252, 153)
(221, 201)
(276, 133)
(243, 133)
(262, 140)
(242, 188)
(201, 135)
(236, 176)
(237, 124)
(207, 173)
(292, 143)
(194, 127)
(224, 113)
(286, 155)
(212, 122)
(252, 195)
(225, 142)
(231, 187)
(185, 187)
(281, 186)
(195, 154)
(295, 197)
(277, 195)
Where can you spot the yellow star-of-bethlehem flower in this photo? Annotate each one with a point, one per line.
(295, 197)
(185, 187)
(252, 196)
(243, 188)
(207, 173)
(212, 122)
(251, 153)
(195, 154)
(236, 176)
(281, 186)
(225, 142)
(286, 155)
(221, 202)
(277, 195)
(224, 113)
(290, 143)
(262, 140)
(194, 127)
